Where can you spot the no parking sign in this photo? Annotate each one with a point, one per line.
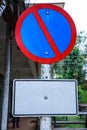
(45, 33)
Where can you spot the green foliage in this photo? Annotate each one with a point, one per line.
(73, 65)
(83, 98)
(81, 38)
(71, 118)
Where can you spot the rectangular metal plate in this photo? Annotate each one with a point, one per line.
(44, 97)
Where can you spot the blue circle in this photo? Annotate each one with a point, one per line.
(35, 40)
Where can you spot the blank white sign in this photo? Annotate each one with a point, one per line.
(44, 97)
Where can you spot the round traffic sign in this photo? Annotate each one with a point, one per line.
(45, 33)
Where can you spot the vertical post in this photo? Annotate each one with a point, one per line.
(45, 122)
(4, 118)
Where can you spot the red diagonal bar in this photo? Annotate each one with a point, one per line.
(46, 33)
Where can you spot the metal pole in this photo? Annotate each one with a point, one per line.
(45, 122)
(4, 118)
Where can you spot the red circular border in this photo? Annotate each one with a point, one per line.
(33, 57)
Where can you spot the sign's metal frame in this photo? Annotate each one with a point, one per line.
(38, 90)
